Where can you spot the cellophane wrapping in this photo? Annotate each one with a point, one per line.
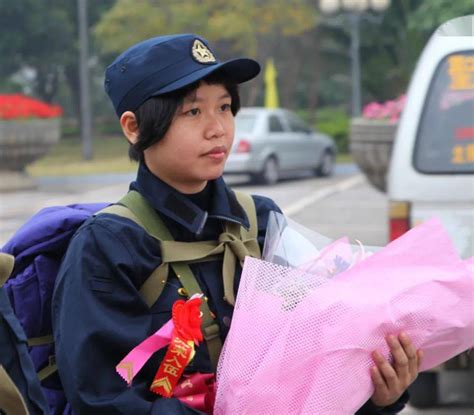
(302, 334)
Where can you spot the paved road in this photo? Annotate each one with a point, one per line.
(341, 205)
(17, 207)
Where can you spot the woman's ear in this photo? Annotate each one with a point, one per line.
(129, 125)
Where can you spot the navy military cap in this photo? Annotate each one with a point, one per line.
(164, 64)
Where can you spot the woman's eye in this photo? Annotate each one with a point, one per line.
(192, 112)
(225, 107)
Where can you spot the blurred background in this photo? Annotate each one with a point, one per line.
(313, 53)
(338, 66)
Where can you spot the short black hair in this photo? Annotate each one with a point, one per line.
(156, 114)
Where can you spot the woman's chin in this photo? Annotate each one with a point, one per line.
(214, 174)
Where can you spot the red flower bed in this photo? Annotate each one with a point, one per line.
(17, 106)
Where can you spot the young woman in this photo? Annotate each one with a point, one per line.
(176, 103)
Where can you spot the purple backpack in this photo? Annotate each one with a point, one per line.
(38, 247)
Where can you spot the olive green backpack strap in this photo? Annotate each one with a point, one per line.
(243, 240)
(247, 203)
(11, 400)
(236, 241)
(7, 262)
(141, 212)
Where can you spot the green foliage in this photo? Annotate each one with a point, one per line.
(391, 49)
(332, 121)
(335, 123)
(311, 52)
(39, 36)
(42, 35)
(259, 29)
(431, 14)
(241, 23)
(108, 126)
(389, 52)
(390, 45)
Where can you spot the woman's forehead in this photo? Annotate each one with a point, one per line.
(205, 91)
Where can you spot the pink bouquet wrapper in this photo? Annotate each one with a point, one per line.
(301, 343)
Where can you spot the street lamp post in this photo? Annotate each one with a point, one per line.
(86, 121)
(355, 12)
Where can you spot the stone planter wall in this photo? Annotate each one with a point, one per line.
(24, 141)
(371, 148)
(21, 143)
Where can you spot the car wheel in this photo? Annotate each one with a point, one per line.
(423, 391)
(269, 173)
(326, 168)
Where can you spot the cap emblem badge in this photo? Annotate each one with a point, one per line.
(201, 53)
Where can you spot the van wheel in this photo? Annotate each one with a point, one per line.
(269, 174)
(424, 390)
(326, 168)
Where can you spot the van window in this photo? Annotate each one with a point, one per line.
(445, 139)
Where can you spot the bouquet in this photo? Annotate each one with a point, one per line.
(305, 324)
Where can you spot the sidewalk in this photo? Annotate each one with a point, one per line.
(17, 207)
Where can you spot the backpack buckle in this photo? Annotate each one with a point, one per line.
(210, 332)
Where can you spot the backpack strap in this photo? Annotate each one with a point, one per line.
(144, 215)
(7, 262)
(11, 400)
(247, 203)
(234, 242)
(242, 239)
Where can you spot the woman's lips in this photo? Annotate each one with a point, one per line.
(217, 153)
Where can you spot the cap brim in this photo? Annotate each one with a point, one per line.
(236, 71)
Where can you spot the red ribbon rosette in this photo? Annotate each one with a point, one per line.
(186, 317)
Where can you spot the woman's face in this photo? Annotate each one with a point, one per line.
(196, 146)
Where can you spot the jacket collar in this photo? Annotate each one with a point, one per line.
(168, 201)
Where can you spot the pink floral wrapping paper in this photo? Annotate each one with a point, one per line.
(301, 343)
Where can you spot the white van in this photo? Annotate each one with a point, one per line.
(431, 171)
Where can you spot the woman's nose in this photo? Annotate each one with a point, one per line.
(214, 127)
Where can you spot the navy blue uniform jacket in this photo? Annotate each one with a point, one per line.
(99, 315)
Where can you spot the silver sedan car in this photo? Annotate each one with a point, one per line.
(271, 143)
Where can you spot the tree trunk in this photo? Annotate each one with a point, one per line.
(72, 79)
(315, 67)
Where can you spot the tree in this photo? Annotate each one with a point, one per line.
(33, 42)
(255, 28)
(390, 51)
(431, 14)
(390, 46)
(42, 36)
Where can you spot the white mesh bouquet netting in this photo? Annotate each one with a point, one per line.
(304, 325)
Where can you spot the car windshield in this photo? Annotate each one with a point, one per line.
(245, 123)
(445, 140)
